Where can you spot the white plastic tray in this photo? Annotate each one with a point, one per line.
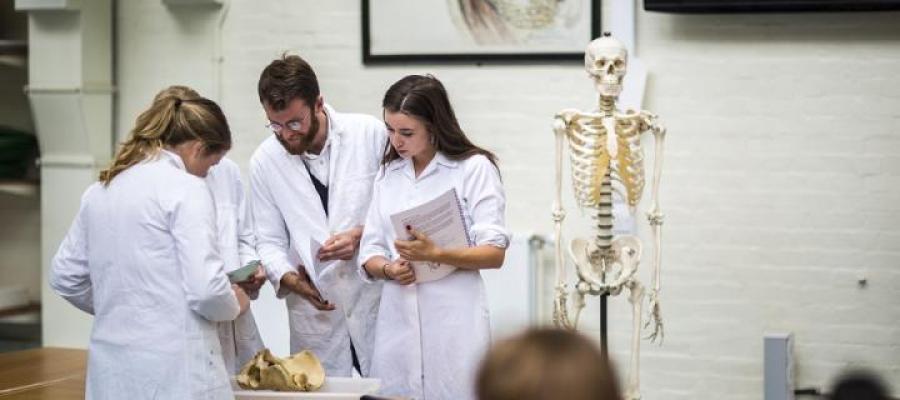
(333, 389)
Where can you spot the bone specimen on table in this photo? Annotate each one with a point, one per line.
(299, 372)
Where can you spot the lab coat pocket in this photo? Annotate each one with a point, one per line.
(204, 365)
(306, 319)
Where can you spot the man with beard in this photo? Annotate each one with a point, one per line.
(311, 184)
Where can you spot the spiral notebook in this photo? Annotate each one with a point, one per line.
(441, 219)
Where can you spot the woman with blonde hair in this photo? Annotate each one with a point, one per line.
(142, 258)
(546, 364)
(240, 338)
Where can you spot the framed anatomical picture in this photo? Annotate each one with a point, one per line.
(477, 30)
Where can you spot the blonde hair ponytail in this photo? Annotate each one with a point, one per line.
(145, 140)
(178, 114)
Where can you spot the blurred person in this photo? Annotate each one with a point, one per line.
(546, 364)
(859, 385)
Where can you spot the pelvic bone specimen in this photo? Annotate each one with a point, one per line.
(605, 154)
(300, 372)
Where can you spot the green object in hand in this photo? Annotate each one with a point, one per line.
(243, 273)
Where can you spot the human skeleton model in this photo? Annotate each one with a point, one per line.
(605, 156)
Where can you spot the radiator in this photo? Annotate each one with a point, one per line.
(513, 290)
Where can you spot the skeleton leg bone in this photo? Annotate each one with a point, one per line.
(636, 298)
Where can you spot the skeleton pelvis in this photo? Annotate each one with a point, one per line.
(605, 272)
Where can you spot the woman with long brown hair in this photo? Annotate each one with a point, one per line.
(430, 334)
(141, 257)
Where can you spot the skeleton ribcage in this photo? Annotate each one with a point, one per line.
(589, 161)
(593, 168)
(630, 160)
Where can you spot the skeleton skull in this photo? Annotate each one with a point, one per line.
(606, 61)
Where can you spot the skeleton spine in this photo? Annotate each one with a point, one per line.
(603, 217)
(607, 107)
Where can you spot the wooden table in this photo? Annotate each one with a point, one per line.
(43, 374)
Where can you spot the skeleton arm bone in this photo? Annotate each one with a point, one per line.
(560, 313)
(561, 125)
(655, 217)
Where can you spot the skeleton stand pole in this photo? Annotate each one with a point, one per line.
(604, 347)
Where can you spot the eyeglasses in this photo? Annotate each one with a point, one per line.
(295, 125)
(277, 128)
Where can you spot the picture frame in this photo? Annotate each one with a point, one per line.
(760, 6)
(402, 31)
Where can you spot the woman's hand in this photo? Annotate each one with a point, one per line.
(400, 271)
(418, 248)
(252, 285)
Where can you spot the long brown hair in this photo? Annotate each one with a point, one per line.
(425, 98)
(178, 114)
(545, 364)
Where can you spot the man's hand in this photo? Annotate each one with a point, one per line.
(243, 300)
(341, 246)
(418, 248)
(299, 283)
(252, 285)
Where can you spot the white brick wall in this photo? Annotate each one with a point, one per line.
(779, 194)
(781, 170)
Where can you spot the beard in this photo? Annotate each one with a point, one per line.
(301, 145)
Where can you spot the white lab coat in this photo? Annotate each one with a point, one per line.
(240, 338)
(288, 213)
(141, 257)
(430, 336)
